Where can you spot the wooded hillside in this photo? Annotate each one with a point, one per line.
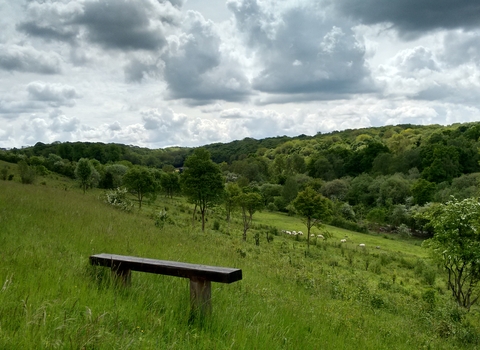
(375, 177)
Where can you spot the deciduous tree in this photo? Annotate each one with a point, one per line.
(141, 182)
(83, 172)
(249, 202)
(456, 245)
(202, 181)
(313, 207)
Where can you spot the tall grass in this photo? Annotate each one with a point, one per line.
(332, 297)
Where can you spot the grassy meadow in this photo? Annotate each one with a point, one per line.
(332, 296)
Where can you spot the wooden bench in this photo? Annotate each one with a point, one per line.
(200, 276)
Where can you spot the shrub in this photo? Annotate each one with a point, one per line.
(118, 198)
(162, 218)
(272, 207)
(41, 170)
(4, 173)
(27, 173)
(348, 225)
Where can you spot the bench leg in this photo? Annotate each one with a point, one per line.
(200, 295)
(124, 276)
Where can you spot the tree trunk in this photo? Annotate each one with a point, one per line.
(194, 212)
(308, 234)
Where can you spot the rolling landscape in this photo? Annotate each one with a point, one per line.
(368, 276)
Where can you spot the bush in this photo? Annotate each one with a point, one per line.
(4, 173)
(272, 207)
(41, 170)
(348, 225)
(118, 198)
(27, 173)
(162, 218)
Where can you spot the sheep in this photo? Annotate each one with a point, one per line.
(320, 236)
(294, 233)
(378, 247)
(300, 233)
(312, 235)
(343, 240)
(288, 232)
(362, 245)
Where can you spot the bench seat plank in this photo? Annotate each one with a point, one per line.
(170, 268)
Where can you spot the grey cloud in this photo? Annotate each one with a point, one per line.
(115, 126)
(460, 47)
(28, 59)
(14, 109)
(451, 94)
(50, 20)
(197, 70)
(137, 69)
(47, 32)
(54, 94)
(413, 17)
(112, 24)
(121, 24)
(302, 50)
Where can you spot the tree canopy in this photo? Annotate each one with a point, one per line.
(313, 207)
(456, 245)
(202, 181)
(141, 182)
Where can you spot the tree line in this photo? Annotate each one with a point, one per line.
(375, 178)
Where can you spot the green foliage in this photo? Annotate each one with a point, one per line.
(202, 181)
(118, 198)
(422, 191)
(141, 182)
(249, 203)
(27, 173)
(232, 190)
(313, 207)
(456, 245)
(4, 172)
(170, 183)
(162, 218)
(83, 173)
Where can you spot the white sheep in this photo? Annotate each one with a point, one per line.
(288, 232)
(294, 233)
(362, 245)
(320, 236)
(300, 233)
(378, 247)
(312, 235)
(343, 240)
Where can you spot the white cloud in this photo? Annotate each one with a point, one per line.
(152, 73)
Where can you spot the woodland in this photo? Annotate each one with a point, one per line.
(376, 178)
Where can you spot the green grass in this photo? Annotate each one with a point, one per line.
(332, 297)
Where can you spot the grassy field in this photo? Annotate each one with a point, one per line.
(332, 296)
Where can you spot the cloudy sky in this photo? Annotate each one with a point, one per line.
(159, 73)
